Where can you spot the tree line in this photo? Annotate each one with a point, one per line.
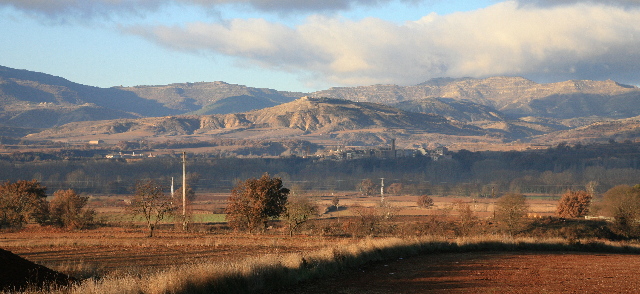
(255, 202)
(475, 174)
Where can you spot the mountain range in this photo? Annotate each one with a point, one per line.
(496, 109)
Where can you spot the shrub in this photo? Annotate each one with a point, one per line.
(425, 201)
(254, 201)
(574, 204)
(66, 209)
(22, 201)
(623, 203)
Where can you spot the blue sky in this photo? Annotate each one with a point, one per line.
(310, 45)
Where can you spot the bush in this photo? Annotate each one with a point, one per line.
(66, 209)
(22, 201)
(623, 203)
(574, 204)
(425, 201)
(254, 201)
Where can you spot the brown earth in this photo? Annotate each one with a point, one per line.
(17, 273)
(490, 272)
(111, 250)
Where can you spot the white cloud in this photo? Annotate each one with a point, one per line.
(570, 41)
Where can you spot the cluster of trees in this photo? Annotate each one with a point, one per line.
(22, 202)
(25, 201)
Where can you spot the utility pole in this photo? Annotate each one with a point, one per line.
(184, 190)
(382, 190)
(172, 189)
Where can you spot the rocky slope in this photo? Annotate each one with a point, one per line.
(305, 116)
(213, 98)
(511, 95)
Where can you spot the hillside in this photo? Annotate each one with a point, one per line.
(26, 88)
(212, 98)
(37, 100)
(618, 130)
(459, 110)
(448, 110)
(334, 118)
(511, 95)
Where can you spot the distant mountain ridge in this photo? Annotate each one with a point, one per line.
(511, 95)
(213, 98)
(38, 100)
(509, 108)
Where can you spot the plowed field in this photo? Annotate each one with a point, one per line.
(490, 272)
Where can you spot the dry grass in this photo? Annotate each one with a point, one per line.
(276, 271)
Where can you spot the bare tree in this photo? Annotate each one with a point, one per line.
(254, 201)
(368, 222)
(335, 201)
(152, 203)
(298, 211)
(466, 220)
(511, 211)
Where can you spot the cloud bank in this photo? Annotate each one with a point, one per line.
(546, 40)
(67, 9)
(582, 41)
(625, 3)
(93, 8)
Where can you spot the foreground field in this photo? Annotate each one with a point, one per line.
(489, 272)
(116, 250)
(123, 247)
(416, 250)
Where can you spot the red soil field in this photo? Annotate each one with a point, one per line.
(490, 272)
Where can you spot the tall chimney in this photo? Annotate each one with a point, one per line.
(393, 148)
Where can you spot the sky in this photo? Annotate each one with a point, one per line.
(310, 45)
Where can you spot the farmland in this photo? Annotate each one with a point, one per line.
(118, 248)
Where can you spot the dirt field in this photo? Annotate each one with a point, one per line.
(490, 272)
(124, 249)
(113, 250)
(108, 250)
